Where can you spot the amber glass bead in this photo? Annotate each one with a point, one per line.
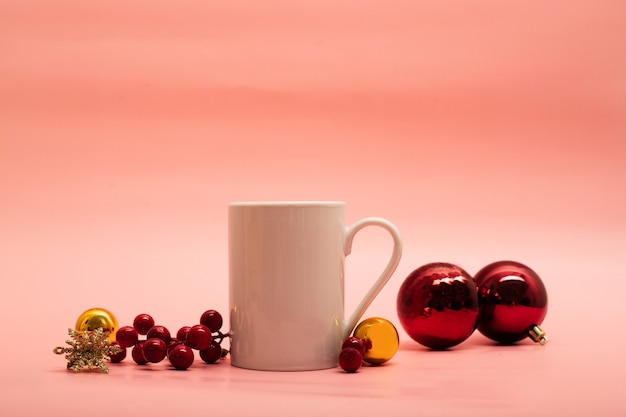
(95, 318)
(384, 338)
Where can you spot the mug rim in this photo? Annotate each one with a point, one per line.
(286, 203)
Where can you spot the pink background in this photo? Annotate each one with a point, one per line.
(484, 130)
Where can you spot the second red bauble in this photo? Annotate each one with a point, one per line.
(513, 300)
(438, 305)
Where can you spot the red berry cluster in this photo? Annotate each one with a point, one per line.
(352, 353)
(205, 337)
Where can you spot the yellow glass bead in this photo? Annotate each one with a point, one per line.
(95, 318)
(384, 338)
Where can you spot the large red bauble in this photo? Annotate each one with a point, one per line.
(512, 301)
(438, 306)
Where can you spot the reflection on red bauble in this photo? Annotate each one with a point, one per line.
(438, 306)
(513, 302)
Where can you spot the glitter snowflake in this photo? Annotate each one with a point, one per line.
(88, 349)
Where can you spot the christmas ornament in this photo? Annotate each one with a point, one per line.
(159, 343)
(381, 339)
(513, 302)
(95, 318)
(154, 350)
(375, 341)
(199, 337)
(212, 353)
(359, 344)
(143, 323)
(88, 349)
(350, 359)
(137, 353)
(438, 305)
(181, 357)
(127, 336)
(117, 357)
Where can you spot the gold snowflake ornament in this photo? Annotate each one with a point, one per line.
(89, 348)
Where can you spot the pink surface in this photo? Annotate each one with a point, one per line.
(483, 130)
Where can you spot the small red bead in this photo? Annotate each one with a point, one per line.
(118, 357)
(126, 336)
(350, 359)
(199, 337)
(143, 323)
(354, 342)
(181, 356)
(182, 333)
(137, 354)
(159, 332)
(154, 350)
(172, 344)
(212, 353)
(212, 319)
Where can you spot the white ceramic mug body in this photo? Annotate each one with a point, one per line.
(286, 265)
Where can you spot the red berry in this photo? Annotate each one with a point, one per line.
(181, 356)
(143, 323)
(199, 337)
(212, 353)
(126, 336)
(350, 359)
(159, 332)
(182, 333)
(118, 357)
(137, 354)
(154, 350)
(172, 344)
(354, 342)
(367, 343)
(212, 319)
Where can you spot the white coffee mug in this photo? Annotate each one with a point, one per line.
(286, 263)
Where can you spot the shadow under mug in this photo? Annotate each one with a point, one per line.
(286, 283)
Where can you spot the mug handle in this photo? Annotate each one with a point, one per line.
(384, 277)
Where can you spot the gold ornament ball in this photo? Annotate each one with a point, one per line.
(384, 338)
(95, 318)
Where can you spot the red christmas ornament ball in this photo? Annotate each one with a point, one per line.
(438, 305)
(513, 302)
